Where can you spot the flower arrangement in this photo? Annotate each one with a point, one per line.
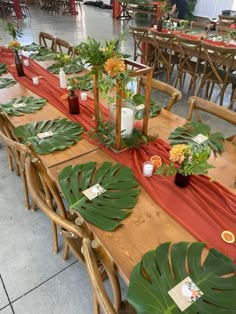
(72, 84)
(186, 160)
(15, 32)
(14, 45)
(62, 59)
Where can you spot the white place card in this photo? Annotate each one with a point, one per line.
(94, 191)
(45, 134)
(140, 107)
(200, 138)
(19, 105)
(185, 293)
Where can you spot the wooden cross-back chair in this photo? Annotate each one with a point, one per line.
(47, 197)
(63, 46)
(218, 71)
(164, 53)
(189, 61)
(16, 152)
(173, 93)
(47, 40)
(226, 20)
(94, 255)
(141, 46)
(197, 104)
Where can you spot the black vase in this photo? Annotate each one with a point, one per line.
(181, 180)
(73, 102)
(19, 65)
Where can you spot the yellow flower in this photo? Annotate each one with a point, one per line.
(67, 57)
(113, 66)
(14, 44)
(177, 153)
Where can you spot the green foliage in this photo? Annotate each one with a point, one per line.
(43, 54)
(64, 134)
(194, 162)
(6, 82)
(31, 47)
(14, 31)
(107, 210)
(69, 68)
(162, 269)
(3, 68)
(84, 82)
(30, 104)
(185, 134)
(138, 100)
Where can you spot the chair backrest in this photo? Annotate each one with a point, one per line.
(63, 46)
(223, 30)
(47, 197)
(95, 255)
(223, 59)
(204, 25)
(174, 94)
(226, 20)
(47, 40)
(199, 104)
(140, 37)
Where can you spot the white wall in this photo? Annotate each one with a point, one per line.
(212, 8)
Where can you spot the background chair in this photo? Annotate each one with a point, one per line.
(49, 200)
(141, 45)
(197, 104)
(226, 20)
(218, 73)
(189, 61)
(164, 53)
(173, 94)
(63, 46)
(47, 40)
(94, 253)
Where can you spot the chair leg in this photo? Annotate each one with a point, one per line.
(65, 250)
(54, 237)
(25, 189)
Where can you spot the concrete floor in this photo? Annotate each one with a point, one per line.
(32, 279)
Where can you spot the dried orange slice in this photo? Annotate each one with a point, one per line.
(64, 96)
(156, 160)
(228, 236)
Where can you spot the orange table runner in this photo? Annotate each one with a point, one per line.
(204, 208)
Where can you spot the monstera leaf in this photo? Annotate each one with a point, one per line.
(162, 269)
(108, 209)
(138, 100)
(43, 54)
(3, 68)
(61, 133)
(185, 134)
(68, 68)
(31, 47)
(17, 106)
(6, 82)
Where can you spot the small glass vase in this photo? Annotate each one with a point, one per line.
(73, 102)
(182, 180)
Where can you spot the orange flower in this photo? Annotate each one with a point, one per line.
(14, 44)
(113, 66)
(177, 153)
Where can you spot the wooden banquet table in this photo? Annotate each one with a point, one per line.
(150, 222)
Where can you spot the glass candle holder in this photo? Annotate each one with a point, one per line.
(147, 168)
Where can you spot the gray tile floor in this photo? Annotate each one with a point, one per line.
(32, 279)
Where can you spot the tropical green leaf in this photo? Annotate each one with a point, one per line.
(6, 82)
(43, 54)
(3, 68)
(31, 47)
(162, 269)
(84, 82)
(185, 134)
(68, 68)
(64, 134)
(18, 106)
(138, 100)
(107, 210)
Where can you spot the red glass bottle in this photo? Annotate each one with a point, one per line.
(19, 65)
(73, 102)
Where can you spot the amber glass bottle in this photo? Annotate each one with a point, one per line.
(73, 102)
(19, 65)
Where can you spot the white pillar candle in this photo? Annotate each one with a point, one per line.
(83, 96)
(26, 62)
(127, 121)
(35, 80)
(147, 168)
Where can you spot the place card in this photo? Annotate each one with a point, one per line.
(140, 107)
(45, 134)
(19, 105)
(200, 138)
(94, 191)
(185, 293)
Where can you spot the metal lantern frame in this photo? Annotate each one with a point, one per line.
(138, 69)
